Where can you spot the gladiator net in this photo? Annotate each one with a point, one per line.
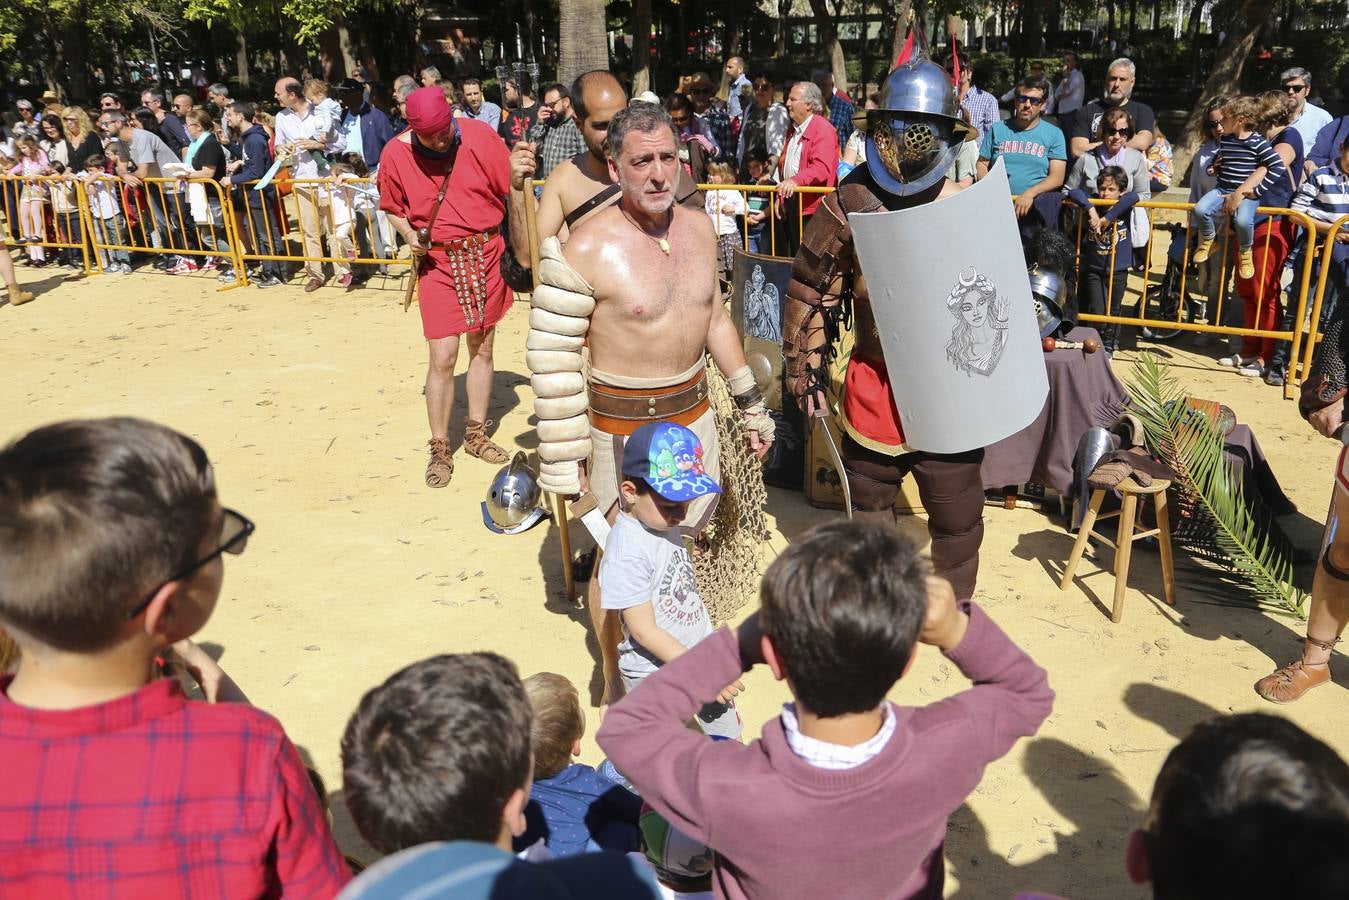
(730, 563)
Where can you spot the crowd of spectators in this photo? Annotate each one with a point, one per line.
(1053, 136)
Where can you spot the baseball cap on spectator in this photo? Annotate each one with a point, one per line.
(668, 457)
(49, 96)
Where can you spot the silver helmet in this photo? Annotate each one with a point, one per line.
(512, 503)
(915, 134)
(1049, 290)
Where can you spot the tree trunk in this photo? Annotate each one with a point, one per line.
(780, 47)
(76, 55)
(241, 77)
(1110, 17)
(1196, 14)
(1225, 76)
(641, 46)
(1156, 15)
(350, 60)
(1133, 18)
(826, 29)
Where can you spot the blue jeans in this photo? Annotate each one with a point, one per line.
(1206, 211)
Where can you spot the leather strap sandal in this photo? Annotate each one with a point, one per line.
(477, 443)
(440, 468)
(1295, 679)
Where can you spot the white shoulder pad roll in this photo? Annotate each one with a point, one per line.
(553, 323)
(554, 269)
(557, 384)
(558, 469)
(565, 451)
(565, 486)
(547, 340)
(561, 407)
(547, 361)
(553, 431)
(561, 301)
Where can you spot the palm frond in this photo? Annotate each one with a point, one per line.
(1213, 512)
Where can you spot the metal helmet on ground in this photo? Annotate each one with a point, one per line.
(914, 136)
(512, 503)
(1049, 290)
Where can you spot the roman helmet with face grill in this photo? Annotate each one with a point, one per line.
(915, 135)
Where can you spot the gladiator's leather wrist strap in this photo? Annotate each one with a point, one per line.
(744, 390)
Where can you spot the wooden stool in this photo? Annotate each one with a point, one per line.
(1125, 537)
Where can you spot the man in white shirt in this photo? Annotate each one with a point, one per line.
(1309, 118)
(301, 135)
(1072, 88)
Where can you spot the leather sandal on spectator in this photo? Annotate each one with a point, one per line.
(477, 443)
(440, 467)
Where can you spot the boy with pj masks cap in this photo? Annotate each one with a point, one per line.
(646, 573)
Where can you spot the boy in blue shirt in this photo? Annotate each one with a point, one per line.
(1107, 252)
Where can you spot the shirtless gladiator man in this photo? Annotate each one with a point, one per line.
(638, 283)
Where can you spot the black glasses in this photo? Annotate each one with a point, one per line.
(1122, 132)
(1213, 124)
(763, 87)
(1294, 88)
(1026, 98)
(234, 531)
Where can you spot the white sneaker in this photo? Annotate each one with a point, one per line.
(1235, 361)
(1251, 369)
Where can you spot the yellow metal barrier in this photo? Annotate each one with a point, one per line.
(28, 201)
(336, 219)
(1327, 260)
(162, 229)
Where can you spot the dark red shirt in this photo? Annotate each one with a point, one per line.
(152, 795)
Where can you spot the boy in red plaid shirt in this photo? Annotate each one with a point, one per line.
(115, 784)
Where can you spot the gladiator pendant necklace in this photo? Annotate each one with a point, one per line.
(662, 242)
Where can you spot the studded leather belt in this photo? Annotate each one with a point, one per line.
(464, 243)
(623, 410)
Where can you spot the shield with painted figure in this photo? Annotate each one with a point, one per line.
(955, 316)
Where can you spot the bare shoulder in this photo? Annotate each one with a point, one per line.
(694, 221)
(589, 238)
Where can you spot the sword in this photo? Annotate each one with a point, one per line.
(821, 417)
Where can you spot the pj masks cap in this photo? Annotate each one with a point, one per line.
(668, 457)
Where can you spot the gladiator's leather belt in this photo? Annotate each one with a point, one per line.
(464, 243)
(623, 410)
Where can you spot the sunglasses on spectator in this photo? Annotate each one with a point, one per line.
(1294, 88)
(1026, 98)
(763, 87)
(69, 119)
(1122, 132)
(1213, 123)
(234, 531)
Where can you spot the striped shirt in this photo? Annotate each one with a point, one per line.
(1239, 157)
(1325, 195)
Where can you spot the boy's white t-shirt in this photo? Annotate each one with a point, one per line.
(102, 194)
(724, 221)
(640, 566)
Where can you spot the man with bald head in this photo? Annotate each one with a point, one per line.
(581, 186)
(736, 84)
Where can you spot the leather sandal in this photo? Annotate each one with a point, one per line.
(1297, 678)
(477, 443)
(440, 468)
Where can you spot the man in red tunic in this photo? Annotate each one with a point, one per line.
(460, 288)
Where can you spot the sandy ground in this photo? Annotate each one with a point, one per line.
(311, 407)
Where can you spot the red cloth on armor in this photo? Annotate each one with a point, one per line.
(474, 202)
(868, 402)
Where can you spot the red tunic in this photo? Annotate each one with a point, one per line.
(474, 202)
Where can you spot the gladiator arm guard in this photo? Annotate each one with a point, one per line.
(1328, 383)
(749, 400)
(817, 298)
(559, 318)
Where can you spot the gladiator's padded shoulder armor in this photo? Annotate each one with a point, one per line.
(559, 318)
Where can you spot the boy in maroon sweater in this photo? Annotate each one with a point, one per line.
(845, 791)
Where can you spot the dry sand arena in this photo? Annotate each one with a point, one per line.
(311, 407)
